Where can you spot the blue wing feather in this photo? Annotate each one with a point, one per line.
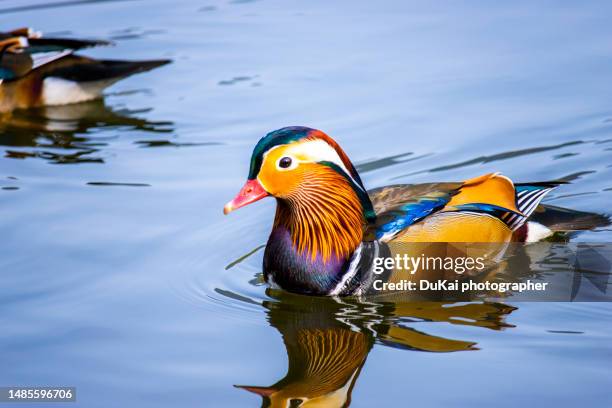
(408, 214)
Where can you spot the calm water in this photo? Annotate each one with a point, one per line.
(115, 251)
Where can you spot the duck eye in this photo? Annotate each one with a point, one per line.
(284, 162)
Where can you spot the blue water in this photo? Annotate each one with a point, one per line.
(122, 291)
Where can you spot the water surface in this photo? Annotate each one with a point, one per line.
(115, 251)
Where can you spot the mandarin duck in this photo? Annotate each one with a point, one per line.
(328, 229)
(37, 71)
(328, 342)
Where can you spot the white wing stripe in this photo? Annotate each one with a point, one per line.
(42, 58)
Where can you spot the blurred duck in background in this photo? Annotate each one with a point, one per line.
(36, 71)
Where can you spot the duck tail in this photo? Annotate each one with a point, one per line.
(559, 219)
(84, 69)
(73, 78)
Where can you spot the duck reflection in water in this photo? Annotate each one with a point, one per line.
(328, 341)
(65, 134)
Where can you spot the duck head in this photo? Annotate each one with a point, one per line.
(322, 205)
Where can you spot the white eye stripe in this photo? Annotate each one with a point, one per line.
(313, 151)
(319, 150)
